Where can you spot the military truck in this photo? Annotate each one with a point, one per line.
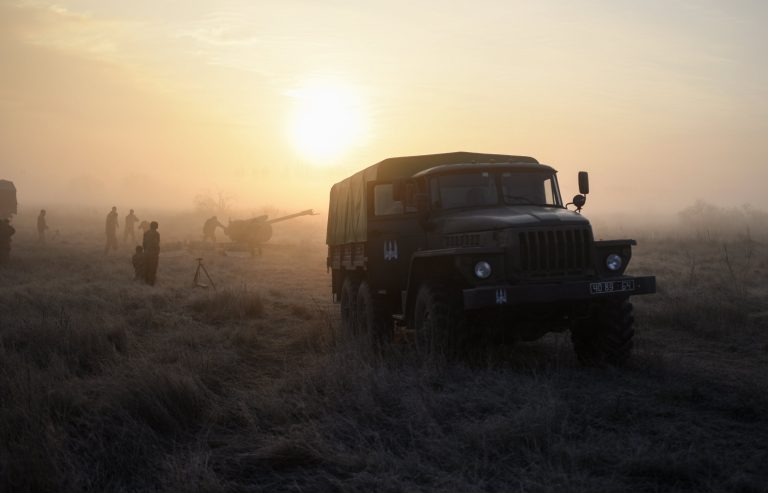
(460, 247)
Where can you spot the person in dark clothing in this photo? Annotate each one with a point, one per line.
(209, 229)
(111, 231)
(151, 253)
(6, 231)
(130, 227)
(41, 227)
(138, 264)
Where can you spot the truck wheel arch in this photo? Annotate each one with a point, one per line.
(426, 269)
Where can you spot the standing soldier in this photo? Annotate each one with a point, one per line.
(144, 227)
(6, 231)
(151, 253)
(209, 229)
(41, 227)
(130, 221)
(111, 231)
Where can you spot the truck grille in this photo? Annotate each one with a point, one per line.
(558, 252)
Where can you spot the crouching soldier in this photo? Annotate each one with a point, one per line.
(139, 267)
(209, 229)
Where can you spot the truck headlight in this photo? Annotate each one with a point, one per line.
(483, 269)
(613, 262)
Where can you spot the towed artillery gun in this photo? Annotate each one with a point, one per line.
(252, 233)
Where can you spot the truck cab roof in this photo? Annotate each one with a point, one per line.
(488, 166)
(407, 166)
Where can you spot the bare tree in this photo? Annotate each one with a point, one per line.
(219, 203)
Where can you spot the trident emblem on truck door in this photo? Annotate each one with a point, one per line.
(501, 296)
(390, 250)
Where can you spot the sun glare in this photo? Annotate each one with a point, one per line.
(327, 121)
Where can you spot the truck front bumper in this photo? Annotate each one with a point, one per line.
(516, 294)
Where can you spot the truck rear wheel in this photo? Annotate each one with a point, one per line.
(374, 315)
(606, 337)
(438, 321)
(348, 301)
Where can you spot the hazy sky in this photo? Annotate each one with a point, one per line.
(150, 103)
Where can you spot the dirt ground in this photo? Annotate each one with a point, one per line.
(111, 385)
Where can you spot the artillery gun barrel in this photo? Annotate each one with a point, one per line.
(308, 212)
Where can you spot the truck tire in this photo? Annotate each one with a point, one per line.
(374, 315)
(348, 301)
(438, 321)
(606, 337)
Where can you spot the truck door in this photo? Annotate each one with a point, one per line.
(394, 234)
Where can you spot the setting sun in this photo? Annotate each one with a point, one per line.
(327, 120)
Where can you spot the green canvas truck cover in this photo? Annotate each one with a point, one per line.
(347, 215)
(7, 198)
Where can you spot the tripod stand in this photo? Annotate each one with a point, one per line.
(200, 267)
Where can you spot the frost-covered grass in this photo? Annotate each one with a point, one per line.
(110, 385)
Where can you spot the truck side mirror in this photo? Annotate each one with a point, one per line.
(583, 183)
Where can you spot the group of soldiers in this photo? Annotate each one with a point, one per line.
(146, 256)
(145, 259)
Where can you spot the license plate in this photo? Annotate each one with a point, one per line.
(608, 287)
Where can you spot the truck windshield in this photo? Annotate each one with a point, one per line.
(484, 188)
(527, 187)
(464, 190)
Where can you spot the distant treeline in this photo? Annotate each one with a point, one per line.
(709, 222)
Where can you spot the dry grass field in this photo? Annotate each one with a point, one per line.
(111, 385)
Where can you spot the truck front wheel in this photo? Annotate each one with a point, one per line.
(605, 338)
(438, 321)
(348, 302)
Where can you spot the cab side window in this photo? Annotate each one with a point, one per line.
(384, 203)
